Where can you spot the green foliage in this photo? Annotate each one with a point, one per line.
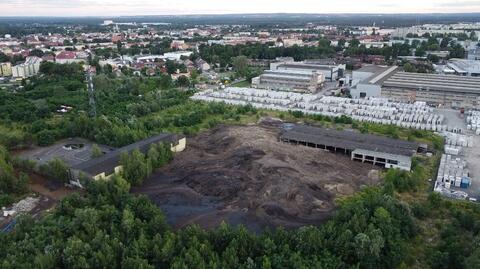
(46, 137)
(56, 169)
(11, 185)
(224, 55)
(14, 137)
(96, 151)
(404, 181)
(240, 65)
(137, 167)
(183, 81)
(109, 227)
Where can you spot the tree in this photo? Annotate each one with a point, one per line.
(136, 168)
(45, 137)
(408, 67)
(240, 65)
(473, 36)
(457, 51)
(56, 169)
(420, 52)
(354, 43)
(36, 52)
(96, 151)
(183, 81)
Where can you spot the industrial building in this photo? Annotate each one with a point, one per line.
(459, 88)
(435, 89)
(373, 149)
(290, 80)
(365, 81)
(109, 164)
(30, 68)
(461, 67)
(330, 72)
(474, 54)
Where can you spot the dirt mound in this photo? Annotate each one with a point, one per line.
(249, 176)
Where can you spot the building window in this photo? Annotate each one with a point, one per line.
(393, 162)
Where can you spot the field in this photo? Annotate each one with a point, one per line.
(244, 175)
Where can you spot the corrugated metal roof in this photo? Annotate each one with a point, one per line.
(350, 140)
(447, 83)
(110, 160)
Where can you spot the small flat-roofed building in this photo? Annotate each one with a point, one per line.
(435, 89)
(374, 149)
(290, 80)
(109, 164)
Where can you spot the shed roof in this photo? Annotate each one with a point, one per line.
(107, 162)
(350, 140)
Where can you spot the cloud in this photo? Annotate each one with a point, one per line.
(168, 7)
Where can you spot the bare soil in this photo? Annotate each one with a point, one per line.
(244, 175)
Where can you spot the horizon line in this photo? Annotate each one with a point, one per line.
(222, 14)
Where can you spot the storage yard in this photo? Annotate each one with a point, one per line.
(374, 110)
(245, 175)
(458, 173)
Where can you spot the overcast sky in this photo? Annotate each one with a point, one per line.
(168, 7)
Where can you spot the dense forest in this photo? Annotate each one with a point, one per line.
(223, 54)
(398, 224)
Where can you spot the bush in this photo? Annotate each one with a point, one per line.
(45, 138)
(295, 113)
(56, 169)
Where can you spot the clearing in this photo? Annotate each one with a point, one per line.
(244, 175)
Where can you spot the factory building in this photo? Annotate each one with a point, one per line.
(290, 80)
(435, 89)
(365, 81)
(376, 150)
(108, 164)
(330, 72)
(474, 54)
(461, 67)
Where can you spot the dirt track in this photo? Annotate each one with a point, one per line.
(244, 175)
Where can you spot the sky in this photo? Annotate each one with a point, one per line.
(177, 7)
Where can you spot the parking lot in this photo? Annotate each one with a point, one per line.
(72, 151)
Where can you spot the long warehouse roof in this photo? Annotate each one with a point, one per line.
(308, 66)
(350, 140)
(434, 82)
(107, 162)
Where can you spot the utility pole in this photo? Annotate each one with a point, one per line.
(91, 94)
